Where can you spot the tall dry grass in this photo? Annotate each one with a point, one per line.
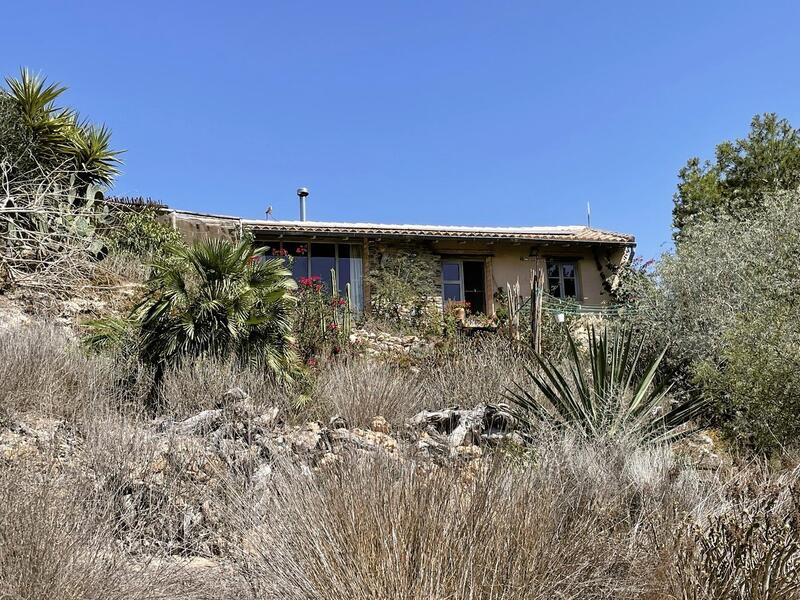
(57, 540)
(200, 385)
(42, 370)
(359, 389)
(472, 371)
(574, 520)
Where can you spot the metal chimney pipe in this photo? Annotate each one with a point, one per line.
(302, 194)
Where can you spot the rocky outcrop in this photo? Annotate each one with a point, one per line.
(455, 429)
(381, 343)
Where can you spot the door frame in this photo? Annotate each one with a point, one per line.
(488, 307)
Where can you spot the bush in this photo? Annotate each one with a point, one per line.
(603, 394)
(137, 230)
(405, 291)
(725, 303)
(323, 320)
(216, 298)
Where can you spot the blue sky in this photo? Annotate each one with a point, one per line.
(476, 113)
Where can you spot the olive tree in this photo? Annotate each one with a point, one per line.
(727, 303)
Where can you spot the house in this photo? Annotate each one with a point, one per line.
(469, 264)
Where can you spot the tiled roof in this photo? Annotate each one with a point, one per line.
(570, 233)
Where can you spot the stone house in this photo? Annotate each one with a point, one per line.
(461, 264)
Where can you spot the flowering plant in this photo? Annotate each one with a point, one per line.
(323, 319)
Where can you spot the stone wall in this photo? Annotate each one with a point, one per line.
(405, 280)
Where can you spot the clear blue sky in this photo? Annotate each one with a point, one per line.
(482, 113)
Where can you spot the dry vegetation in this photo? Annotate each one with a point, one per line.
(104, 501)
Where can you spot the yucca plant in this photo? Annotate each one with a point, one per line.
(215, 298)
(55, 137)
(607, 393)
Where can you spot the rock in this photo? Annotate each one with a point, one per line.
(337, 422)
(469, 428)
(443, 421)
(312, 438)
(380, 425)
(498, 419)
(267, 419)
(699, 450)
(200, 424)
(465, 427)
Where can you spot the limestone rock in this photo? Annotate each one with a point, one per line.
(380, 425)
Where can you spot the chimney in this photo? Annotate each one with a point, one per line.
(302, 194)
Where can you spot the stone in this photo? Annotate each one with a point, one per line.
(200, 423)
(380, 425)
(469, 428)
(337, 422)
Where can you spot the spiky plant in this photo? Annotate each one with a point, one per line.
(215, 298)
(607, 393)
(55, 137)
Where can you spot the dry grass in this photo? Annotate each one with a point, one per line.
(200, 385)
(575, 521)
(43, 371)
(567, 518)
(472, 371)
(57, 540)
(359, 389)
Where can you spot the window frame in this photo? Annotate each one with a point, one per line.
(307, 243)
(459, 281)
(561, 262)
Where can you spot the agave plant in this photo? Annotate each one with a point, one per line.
(214, 298)
(607, 393)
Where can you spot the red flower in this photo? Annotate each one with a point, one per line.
(311, 362)
(333, 326)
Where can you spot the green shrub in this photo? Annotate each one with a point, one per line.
(405, 293)
(726, 303)
(138, 231)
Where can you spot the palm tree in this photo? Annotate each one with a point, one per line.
(215, 298)
(614, 397)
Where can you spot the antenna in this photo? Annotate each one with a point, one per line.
(588, 214)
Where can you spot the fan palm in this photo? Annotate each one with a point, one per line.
(215, 298)
(607, 393)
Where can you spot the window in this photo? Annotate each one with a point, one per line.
(317, 260)
(562, 279)
(452, 281)
(464, 280)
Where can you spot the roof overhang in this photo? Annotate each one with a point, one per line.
(563, 234)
